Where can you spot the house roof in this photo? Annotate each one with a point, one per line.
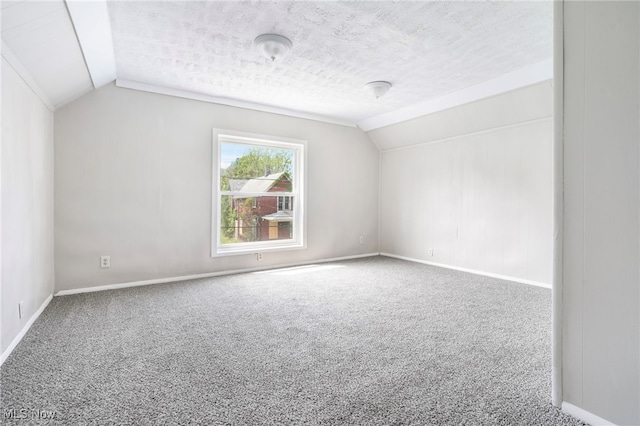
(237, 184)
(262, 184)
(280, 216)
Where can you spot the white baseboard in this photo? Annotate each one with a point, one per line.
(473, 271)
(207, 275)
(584, 415)
(24, 330)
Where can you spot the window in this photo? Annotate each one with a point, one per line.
(284, 203)
(258, 193)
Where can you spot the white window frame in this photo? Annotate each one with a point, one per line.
(298, 192)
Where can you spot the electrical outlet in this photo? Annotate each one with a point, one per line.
(20, 309)
(430, 252)
(361, 239)
(259, 257)
(105, 261)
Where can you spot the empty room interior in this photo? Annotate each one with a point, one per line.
(312, 212)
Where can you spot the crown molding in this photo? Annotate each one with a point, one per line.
(135, 85)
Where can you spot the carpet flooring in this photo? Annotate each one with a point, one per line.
(374, 341)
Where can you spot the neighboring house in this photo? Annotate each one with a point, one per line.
(264, 217)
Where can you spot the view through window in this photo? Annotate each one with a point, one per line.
(258, 194)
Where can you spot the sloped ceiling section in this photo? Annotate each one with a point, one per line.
(38, 37)
(522, 105)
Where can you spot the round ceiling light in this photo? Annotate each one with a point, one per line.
(378, 88)
(273, 46)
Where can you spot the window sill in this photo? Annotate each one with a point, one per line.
(267, 247)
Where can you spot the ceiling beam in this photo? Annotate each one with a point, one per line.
(532, 74)
(93, 29)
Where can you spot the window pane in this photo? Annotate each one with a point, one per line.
(255, 168)
(258, 203)
(251, 219)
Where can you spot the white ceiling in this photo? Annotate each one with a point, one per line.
(41, 36)
(427, 49)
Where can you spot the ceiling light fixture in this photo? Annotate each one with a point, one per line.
(378, 88)
(273, 46)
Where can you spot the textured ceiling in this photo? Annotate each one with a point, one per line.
(425, 49)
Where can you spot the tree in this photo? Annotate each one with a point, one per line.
(260, 161)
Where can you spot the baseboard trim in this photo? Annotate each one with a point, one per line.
(24, 330)
(207, 275)
(584, 415)
(472, 271)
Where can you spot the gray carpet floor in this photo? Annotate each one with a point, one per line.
(374, 341)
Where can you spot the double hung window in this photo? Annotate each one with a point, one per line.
(258, 193)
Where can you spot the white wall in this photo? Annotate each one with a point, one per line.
(27, 204)
(481, 201)
(133, 181)
(601, 280)
(517, 106)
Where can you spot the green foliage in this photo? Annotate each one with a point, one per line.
(260, 161)
(228, 220)
(224, 239)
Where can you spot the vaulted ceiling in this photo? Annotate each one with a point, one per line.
(436, 54)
